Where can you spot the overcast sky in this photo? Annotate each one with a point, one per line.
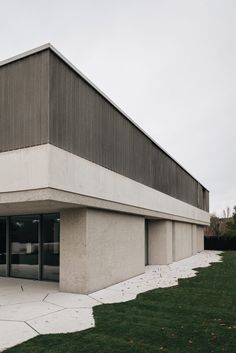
(169, 64)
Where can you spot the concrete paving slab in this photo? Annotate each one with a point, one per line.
(26, 311)
(66, 320)
(71, 300)
(29, 307)
(12, 333)
(21, 298)
(108, 296)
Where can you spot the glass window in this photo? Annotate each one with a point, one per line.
(51, 246)
(24, 236)
(3, 246)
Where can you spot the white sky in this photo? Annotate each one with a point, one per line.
(169, 64)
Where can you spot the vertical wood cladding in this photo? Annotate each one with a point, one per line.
(24, 92)
(43, 100)
(83, 122)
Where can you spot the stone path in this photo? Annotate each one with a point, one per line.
(29, 308)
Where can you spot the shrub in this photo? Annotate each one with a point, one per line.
(222, 242)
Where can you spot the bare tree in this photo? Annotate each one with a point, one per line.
(227, 212)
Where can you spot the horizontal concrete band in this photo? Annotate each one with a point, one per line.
(72, 180)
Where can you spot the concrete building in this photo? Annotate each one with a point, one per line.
(86, 197)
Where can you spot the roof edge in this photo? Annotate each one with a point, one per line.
(73, 67)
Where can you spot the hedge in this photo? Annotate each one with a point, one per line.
(222, 242)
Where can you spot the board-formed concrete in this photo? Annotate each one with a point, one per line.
(74, 312)
(159, 242)
(99, 248)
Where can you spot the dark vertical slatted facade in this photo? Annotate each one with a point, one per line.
(42, 100)
(84, 123)
(24, 93)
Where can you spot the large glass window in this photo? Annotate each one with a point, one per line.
(3, 247)
(29, 246)
(24, 246)
(50, 240)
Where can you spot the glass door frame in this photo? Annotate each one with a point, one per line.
(7, 267)
(39, 255)
(40, 243)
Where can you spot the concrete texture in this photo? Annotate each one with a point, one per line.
(73, 251)
(194, 239)
(53, 312)
(99, 248)
(40, 167)
(159, 242)
(115, 244)
(200, 238)
(53, 200)
(182, 240)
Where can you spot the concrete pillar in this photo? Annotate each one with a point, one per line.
(159, 242)
(182, 240)
(200, 238)
(194, 239)
(73, 250)
(99, 248)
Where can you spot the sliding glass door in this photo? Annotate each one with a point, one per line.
(24, 246)
(50, 247)
(30, 246)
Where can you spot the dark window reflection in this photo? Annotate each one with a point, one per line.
(2, 246)
(24, 236)
(51, 232)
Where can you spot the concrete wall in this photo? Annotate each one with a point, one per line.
(99, 248)
(48, 166)
(159, 242)
(194, 239)
(182, 240)
(73, 267)
(170, 241)
(200, 238)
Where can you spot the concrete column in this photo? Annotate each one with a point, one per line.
(200, 238)
(194, 239)
(99, 248)
(159, 242)
(73, 250)
(182, 240)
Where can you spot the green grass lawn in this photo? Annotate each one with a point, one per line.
(198, 315)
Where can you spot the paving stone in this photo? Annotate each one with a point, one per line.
(67, 320)
(107, 296)
(26, 311)
(41, 304)
(70, 300)
(12, 333)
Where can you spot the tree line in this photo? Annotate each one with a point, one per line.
(223, 226)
